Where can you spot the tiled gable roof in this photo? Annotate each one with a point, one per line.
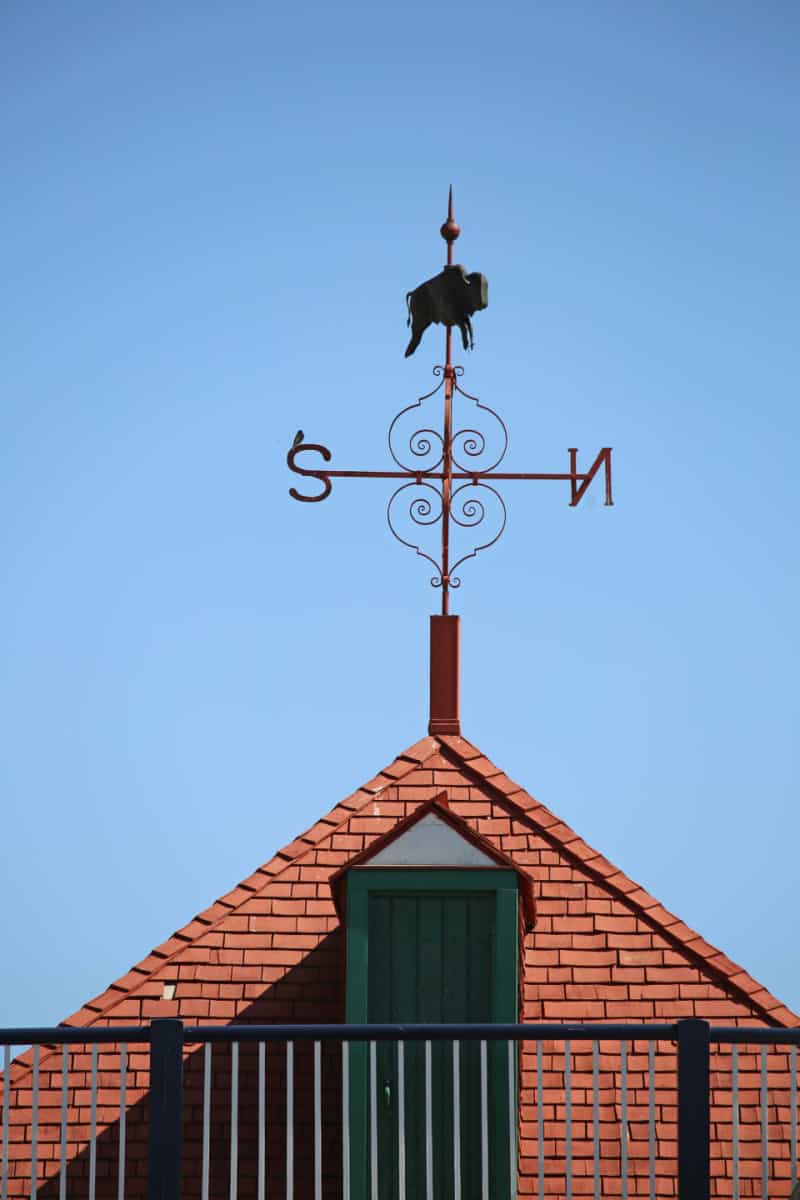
(444, 754)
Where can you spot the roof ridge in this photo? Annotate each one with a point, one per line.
(633, 894)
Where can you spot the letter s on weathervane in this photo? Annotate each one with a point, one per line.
(322, 476)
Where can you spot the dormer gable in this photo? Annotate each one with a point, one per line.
(434, 837)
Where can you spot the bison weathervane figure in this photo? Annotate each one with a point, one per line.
(450, 298)
(446, 476)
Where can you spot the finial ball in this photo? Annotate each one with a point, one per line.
(450, 230)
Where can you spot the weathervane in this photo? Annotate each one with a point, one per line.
(451, 482)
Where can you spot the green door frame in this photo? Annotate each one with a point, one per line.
(363, 882)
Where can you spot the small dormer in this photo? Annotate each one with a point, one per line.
(433, 914)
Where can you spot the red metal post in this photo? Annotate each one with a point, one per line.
(444, 679)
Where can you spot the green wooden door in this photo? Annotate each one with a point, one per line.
(431, 947)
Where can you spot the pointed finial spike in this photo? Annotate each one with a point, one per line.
(450, 230)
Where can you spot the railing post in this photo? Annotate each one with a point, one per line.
(166, 1109)
(693, 1110)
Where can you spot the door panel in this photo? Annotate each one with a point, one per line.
(430, 961)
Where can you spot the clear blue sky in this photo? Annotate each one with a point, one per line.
(210, 216)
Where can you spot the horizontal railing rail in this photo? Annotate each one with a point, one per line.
(589, 1081)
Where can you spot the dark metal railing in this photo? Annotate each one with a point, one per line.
(163, 1087)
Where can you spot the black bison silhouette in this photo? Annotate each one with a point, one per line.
(450, 298)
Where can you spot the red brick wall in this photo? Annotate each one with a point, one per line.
(272, 951)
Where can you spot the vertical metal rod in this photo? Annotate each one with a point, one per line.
(62, 1174)
(540, 1118)
(206, 1163)
(623, 1133)
(694, 1119)
(764, 1125)
(345, 1121)
(35, 1121)
(93, 1127)
(735, 1117)
(596, 1116)
(401, 1120)
(123, 1116)
(456, 1121)
(568, 1113)
(428, 1124)
(261, 1182)
(317, 1121)
(512, 1121)
(290, 1121)
(233, 1181)
(6, 1113)
(651, 1115)
(166, 1109)
(447, 471)
(573, 470)
(484, 1125)
(793, 1117)
(607, 458)
(447, 461)
(373, 1121)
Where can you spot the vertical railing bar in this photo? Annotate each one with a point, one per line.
(345, 1121)
(484, 1125)
(456, 1120)
(123, 1115)
(373, 1120)
(540, 1118)
(206, 1164)
(6, 1114)
(428, 1123)
(233, 1182)
(401, 1119)
(261, 1170)
(35, 1122)
(568, 1113)
(165, 1108)
(793, 1118)
(93, 1127)
(735, 1117)
(62, 1173)
(290, 1121)
(623, 1143)
(317, 1120)
(694, 1109)
(260, 1180)
(764, 1125)
(651, 1115)
(596, 1116)
(512, 1122)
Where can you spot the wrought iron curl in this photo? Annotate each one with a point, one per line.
(418, 443)
(422, 510)
(473, 441)
(470, 512)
